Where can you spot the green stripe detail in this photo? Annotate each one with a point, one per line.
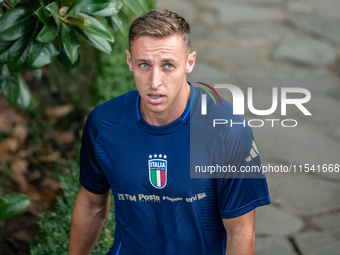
(207, 91)
(153, 177)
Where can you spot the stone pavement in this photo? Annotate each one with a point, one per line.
(281, 43)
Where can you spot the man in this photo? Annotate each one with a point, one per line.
(138, 145)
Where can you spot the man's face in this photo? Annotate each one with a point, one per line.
(159, 66)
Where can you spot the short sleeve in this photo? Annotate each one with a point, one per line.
(92, 177)
(241, 191)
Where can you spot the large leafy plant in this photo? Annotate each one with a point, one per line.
(33, 33)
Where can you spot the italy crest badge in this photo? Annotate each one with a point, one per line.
(158, 170)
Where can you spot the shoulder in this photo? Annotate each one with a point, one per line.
(219, 117)
(110, 112)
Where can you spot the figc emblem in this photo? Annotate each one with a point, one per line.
(158, 170)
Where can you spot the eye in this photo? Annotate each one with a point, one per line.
(169, 65)
(144, 65)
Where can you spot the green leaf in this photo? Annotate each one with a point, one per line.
(89, 6)
(42, 14)
(36, 72)
(16, 23)
(54, 10)
(42, 53)
(97, 28)
(13, 204)
(78, 21)
(70, 43)
(136, 6)
(64, 59)
(24, 98)
(117, 23)
(48, 33)
(4, 72)
(4, 49)
(144, 5)
(10, 88)
(13, 2)
(95, 41)
(18, 54)
(112, 9)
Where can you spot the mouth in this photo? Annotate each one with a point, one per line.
(155, 96)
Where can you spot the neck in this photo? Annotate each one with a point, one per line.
(171, 114)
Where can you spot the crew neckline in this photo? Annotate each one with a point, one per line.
(169, 128)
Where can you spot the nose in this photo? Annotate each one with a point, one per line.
(155, 79)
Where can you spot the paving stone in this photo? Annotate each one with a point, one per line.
(235, 12)
(266, 1)
(299, 7)
(306, 197)
(183, 8)
(337, 133)
(305, 51)
(226, 47)
(328, 222)
(318, 80)
(325, 8)
(272, 221)
(327, 28)
(207, 18)
(207, 71)
(325, 110)
(221, 47)
(196, 31)
(303, 144)
(190, 13)
(266, 33)
(316, 243)
(273, 245)
(283, 72)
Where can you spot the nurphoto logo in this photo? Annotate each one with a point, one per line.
(239, 104)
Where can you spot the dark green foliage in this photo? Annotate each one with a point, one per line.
(55, 226)
(18, 53)
(100, 76)
(16, 23)
(70, 43)
(34, 33)
(114, 77)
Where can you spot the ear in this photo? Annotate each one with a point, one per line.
(191, 61)
(128, 59)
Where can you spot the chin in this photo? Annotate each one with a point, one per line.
(156, 109)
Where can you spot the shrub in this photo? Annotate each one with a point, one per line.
(109, 77)
(55, 226)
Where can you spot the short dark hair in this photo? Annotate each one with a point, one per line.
(159, 23)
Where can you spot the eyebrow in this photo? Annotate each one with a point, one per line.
(169, 60)
(142, 60)
(148, 61)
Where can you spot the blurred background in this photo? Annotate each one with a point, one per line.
(280, 43)
(248, 43)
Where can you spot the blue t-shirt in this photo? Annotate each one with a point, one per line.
(159, 208)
